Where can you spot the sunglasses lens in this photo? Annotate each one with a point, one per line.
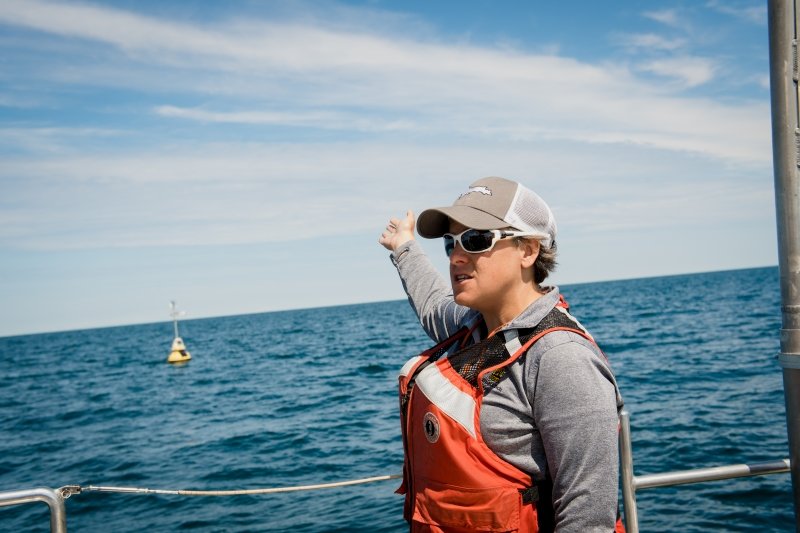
(472, 240)
(449, 244)
(477, 240)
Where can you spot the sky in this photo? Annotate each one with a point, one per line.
(244, 156)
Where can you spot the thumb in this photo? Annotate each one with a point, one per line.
(410, 220)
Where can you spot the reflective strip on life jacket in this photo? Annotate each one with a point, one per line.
(457, 404)
(409, 365)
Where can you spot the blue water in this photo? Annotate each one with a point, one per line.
(304, 397)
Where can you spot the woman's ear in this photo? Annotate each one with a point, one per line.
(529, 249)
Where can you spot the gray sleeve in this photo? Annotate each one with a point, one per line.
(575, 409)
(430, 295)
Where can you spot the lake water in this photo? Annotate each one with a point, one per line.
(304, 397)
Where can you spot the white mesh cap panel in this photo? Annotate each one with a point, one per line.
(528, 212)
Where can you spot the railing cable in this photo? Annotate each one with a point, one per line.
(68, 490)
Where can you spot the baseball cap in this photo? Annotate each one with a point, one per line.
(492, 203)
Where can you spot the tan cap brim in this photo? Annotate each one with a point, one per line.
(435, 222)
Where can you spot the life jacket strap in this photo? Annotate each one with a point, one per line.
(541, 493)
(512, 341)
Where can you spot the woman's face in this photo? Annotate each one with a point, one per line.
(483, 281)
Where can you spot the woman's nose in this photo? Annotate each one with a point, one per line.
(458, 255)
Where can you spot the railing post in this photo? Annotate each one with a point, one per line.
(626, 473)
(53, 499)
(783, 27)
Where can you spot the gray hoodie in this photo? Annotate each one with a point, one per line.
(555, 410)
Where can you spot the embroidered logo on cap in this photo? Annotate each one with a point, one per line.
(481, 189)
(431, 426)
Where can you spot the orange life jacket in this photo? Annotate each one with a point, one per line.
(452, 481)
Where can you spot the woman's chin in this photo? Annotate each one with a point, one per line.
(462, 299)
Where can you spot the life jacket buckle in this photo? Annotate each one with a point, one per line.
(530, 494)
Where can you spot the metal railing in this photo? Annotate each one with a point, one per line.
(631, 483)
(53, 499)
(58, 514)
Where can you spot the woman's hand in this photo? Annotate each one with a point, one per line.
(398, 232)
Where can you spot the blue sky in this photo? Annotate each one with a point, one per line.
(244, 156)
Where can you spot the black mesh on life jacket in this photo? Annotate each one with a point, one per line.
(469, 362)
(438, 351)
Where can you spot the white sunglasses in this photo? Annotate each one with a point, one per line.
(476, 241)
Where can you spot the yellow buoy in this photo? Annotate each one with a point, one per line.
(178, 353)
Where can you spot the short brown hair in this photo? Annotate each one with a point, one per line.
(545, 262)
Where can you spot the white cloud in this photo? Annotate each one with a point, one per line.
(756, 13)
(219, 194)
(44, 140)
(317, 119)
(689, 71)
(668, 17)
(652, 41)
(291, 74)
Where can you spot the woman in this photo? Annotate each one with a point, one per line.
(510, 421)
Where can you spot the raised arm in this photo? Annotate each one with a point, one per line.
(429, 294)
